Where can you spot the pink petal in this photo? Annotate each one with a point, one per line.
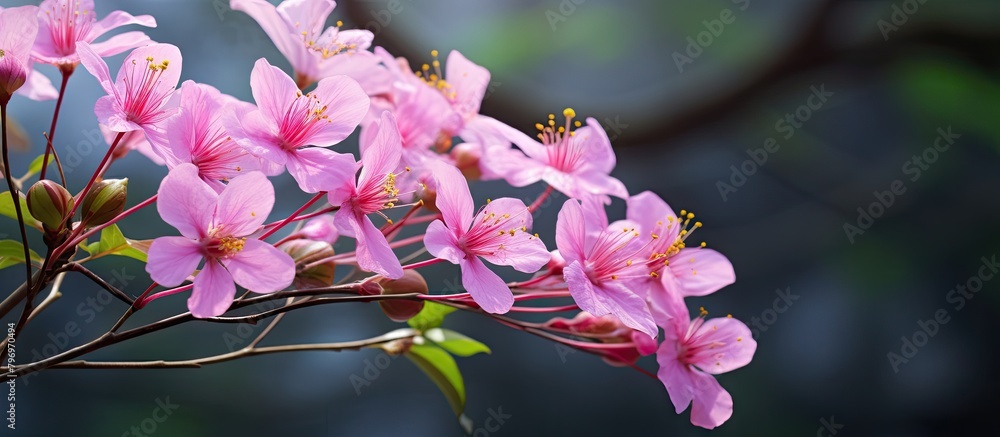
(646, 208)
(529, 146)
(173, 259)
(117, 19)
(440, 242)
(346, 104)
(382, 156)
(272, 89)
(600, 184)
(255, 134)
(288, 40)
(120, 43)
(700, 272)
(669, 310)
(308, 15)
(453, 197)
(676, 377)
(317, 169)
(186, 202)
(594, 141)
(609, 298)
(321, 228)
(38, 87)
(361, 66)
(96, 66)
(244, 204)
(261, 268)
(468, 81)
(110, 114)
(712, 405)
(725, 344)
(168, 79)
(373, 252)
(571, 232)
(213, 292)
(486, 288)
(19, 27)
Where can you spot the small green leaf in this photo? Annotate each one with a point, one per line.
(113, 242)
(442, 370)
(7, 209)
(35, 166)
(455, 343)
(12, 253)
(430, 317)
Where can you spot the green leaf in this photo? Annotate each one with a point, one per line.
(35, 166)
(12, 253)
(7, 209)
(113, 242)
(455, 343)
(442, 370)
(430, 317)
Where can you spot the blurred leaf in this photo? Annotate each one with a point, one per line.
(430, 317)
(35, 166)
(18, 139)
(455, 343)
(7, 209)
(945, 93)
(12, 253)
(442, 370)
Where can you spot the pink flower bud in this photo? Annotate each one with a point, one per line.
(49, 202)
(104, 202)
(466, 156)
(402, 310)
(306, 252)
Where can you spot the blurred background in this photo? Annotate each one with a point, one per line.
(848, 96)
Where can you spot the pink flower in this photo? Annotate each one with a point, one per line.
(694, 350)
(498, 234)
(374, 191)
(18, 28)
(296, 27)
(577, 163)
(138, 99)
(673, 267)
(321, 228)
(216, 227)
(197, 135)
(600, 268)
(64, 23)
(287, 121)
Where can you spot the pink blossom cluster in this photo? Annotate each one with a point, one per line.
(422, 142)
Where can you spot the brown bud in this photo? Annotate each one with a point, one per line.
(397, 309)
(49, 202)
(466, 156)
(305, 252)
(104, 202)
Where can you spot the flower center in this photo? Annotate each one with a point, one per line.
(302, 118)
(225, 247)
(488, 235)
(664, 249)
(327, 44)
(563, 154)
(143, 95)
(67, 25)
(433, 77)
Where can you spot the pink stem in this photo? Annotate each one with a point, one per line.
(292, 217)
(544, 309)
(541, 198)
(146, 300)
(420, 264)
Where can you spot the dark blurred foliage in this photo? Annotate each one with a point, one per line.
(678, 133)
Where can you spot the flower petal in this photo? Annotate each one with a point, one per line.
(172, 260)
(453, 197)
(185, 202)
(244, 204)
(213, 292)
(345, 103)
(487, 289)
(120, 43)
(382, 155)
(96, 66)
(317, 169)
(288, 41)
(571, 232)
(272, 89)
(700, 272)
(440, 242)
(373, 251)
(646, 209)
(261, 268)
(609, 298)
(117, 19)
(725, 344)
(468, 81)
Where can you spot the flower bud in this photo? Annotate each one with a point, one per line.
(608, 329)
(104, 202)
(49, 202)
(402, 310)
(466, 156)
(321, 228)
(305, 252)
